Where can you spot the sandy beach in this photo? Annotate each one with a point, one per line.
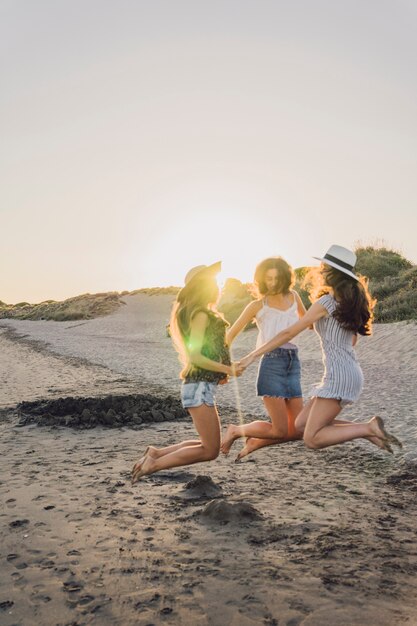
(288, 537)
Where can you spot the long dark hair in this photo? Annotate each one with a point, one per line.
(286, 277)
(199, 294)
(355, 304)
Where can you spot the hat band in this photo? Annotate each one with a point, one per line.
(334, 259)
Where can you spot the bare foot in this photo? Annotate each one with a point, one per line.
(378, 428)
(147, 467)
(382, 444)
(230, 437)
(150, 451)
(249, 447)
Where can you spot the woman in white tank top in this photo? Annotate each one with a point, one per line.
(276, 308)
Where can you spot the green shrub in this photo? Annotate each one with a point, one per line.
(378, 263)
(234, 298)
(156, 291)
(396, 297)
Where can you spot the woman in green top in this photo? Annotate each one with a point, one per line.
(198, 332)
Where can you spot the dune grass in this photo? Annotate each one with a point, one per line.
(392, 281)
(85, 306)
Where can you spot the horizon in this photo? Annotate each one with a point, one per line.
(167, 135)
(222, 278)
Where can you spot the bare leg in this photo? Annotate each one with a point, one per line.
(322, 431)
(207, 424)
(380, 443)
(276, 429)
(155, 452)
(303, 416)
(293, 407)
(254, 443)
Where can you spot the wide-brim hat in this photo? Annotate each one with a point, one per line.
(340, 258)
(199, 271)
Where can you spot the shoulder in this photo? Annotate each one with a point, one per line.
(255, 305)
(252, 308)
(200, 310)
(328, 302)
(200, 316)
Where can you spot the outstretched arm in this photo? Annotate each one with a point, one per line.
(244, 318)
(315, 312)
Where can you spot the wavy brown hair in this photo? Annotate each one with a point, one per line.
(200, 294)
(355, 304)
(286, 277)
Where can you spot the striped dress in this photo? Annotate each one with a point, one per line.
(342, 378)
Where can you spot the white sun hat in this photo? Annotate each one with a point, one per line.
(340, 258)
(200, 270)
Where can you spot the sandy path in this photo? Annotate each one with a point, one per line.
(80, 546)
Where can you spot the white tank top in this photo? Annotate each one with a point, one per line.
(271, 321)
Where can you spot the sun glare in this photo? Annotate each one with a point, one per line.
(205, 237)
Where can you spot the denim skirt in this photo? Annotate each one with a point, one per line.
(279, 374)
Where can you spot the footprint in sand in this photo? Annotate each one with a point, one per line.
(19, 523)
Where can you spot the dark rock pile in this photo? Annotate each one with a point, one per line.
(111, 411)
(201, 487)
(225, 512)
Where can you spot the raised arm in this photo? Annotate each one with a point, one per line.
(300, 306)
(195, 345)
(314, 313)
(244, 318)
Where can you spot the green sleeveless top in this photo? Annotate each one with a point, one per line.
(214, 348)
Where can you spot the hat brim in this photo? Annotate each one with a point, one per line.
(214, 268)
(211, 270)
(337, 267)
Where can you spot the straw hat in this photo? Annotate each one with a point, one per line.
(341, 258)
(201, 270)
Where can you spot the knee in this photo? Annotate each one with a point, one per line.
(299, 425)
(212, 453)
(279, 433)
(311, 442)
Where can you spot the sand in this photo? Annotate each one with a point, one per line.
(288, 537)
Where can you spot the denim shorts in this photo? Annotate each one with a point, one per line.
(279, 374)
(198, 393)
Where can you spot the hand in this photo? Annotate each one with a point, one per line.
(237, 369)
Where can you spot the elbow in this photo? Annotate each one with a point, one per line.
(194, 357)
(286, 337)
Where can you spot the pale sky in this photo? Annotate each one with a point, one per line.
(140, 138)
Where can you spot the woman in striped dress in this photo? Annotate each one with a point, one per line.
(343, 310)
